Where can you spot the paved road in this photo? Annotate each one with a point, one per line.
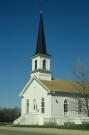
(4, 130)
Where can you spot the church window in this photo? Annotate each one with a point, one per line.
(65, 107)
(34, 104)
(27, 106)
(34, 107)
(42, 105)
(35, 64)
(44, 64)
(79, 106)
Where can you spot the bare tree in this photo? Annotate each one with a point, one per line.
(82, 86)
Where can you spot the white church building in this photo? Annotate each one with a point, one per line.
(46, 100)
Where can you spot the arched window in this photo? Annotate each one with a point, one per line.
(27, 106)
(44, 64)
(35, 64)
(79, 106)
(34, 104)
(42, 105)
(65, 107)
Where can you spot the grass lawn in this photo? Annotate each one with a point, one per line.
(66, 126)
(75, 127)
(5, 123)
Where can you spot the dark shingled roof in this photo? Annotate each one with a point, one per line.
(41, 45)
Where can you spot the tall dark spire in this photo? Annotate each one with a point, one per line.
(41, 45)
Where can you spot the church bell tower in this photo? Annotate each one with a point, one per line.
(41, 59)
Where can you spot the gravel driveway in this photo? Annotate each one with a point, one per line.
(46, 131)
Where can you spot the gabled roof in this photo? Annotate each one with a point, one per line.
(60, 85)
(29, 83)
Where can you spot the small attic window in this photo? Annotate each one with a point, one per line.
(56, 101)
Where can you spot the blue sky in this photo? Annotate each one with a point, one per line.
(66, 24)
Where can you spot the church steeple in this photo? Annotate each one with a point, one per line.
(41, 45)
(41, 60)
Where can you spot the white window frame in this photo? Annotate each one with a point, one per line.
(42, 105)
(66, 108)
